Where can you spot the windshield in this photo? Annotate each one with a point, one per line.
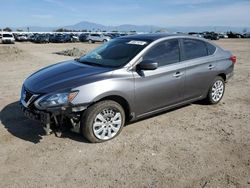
(115, 53)
(7, 35)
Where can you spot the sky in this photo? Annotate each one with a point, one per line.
(53, 13)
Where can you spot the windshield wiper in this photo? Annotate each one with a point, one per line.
(89, 63)
(93, 64)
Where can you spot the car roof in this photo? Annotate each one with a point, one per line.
(7, 33)
(150, 37)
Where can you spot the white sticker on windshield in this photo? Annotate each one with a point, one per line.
(137, 42)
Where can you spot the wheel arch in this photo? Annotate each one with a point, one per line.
(223, 75)
(120, 100)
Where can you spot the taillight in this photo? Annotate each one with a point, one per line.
(233, 59)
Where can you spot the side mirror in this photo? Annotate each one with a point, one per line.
(148, 65)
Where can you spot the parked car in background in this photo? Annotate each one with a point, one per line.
(246, 35)
(234, 35)
(42, 39)
(21, 38)
(223, 36)
(8, 38)
(52, 37)
(126, 79)
(114, 35)
(109, 35)
(195, 34)
(32, 37)
(211, 35)
(66, 38)
(70, 38)
(58, 38)
(83, 37)
(74, 38)
(92, 38)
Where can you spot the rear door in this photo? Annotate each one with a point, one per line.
(98, 37)
(200, 67)
(155, 89)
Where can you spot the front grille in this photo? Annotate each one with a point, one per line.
(28, 95)
(28, 98)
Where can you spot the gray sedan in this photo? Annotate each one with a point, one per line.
(126, 79)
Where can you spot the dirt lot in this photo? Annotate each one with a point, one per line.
(193, 146)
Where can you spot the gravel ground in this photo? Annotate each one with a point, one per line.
(193, 146)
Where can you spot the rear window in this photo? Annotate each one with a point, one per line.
(210, 49)
(7, 35)
(194, 49)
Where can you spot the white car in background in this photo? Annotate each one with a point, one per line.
(92, 38)
(22, 38)
(8, 38)
(246, 35)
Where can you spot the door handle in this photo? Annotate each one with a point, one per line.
(210, 67)
(178, 74)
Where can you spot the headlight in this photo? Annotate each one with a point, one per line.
(57, 99)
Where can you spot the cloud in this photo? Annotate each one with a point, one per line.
(53, 1)
(111, 8)
(61, 4)
(235, 14)
(191, 2)
(42, 16)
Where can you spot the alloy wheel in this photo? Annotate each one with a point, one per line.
(217, 90)
(107, 124)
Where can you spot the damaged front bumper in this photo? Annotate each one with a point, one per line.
(41, 116)
(56, 119)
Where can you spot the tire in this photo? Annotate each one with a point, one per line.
(104, 41)
(90, 41)
(216, 91)
(98, 124)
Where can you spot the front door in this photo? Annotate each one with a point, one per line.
(155, 89)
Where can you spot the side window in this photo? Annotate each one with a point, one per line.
(194, 49)
(210, 49)
(165, 53)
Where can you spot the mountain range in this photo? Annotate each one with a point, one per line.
(85, 25)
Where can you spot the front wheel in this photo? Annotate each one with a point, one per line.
(216, 91)
(103, 121)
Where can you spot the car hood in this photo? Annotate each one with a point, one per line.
(63, 76)
(7, 38)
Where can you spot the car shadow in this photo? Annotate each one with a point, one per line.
(18, 125)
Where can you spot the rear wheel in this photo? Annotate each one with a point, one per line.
(90, 41)
(216, 91)
(103, 121)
